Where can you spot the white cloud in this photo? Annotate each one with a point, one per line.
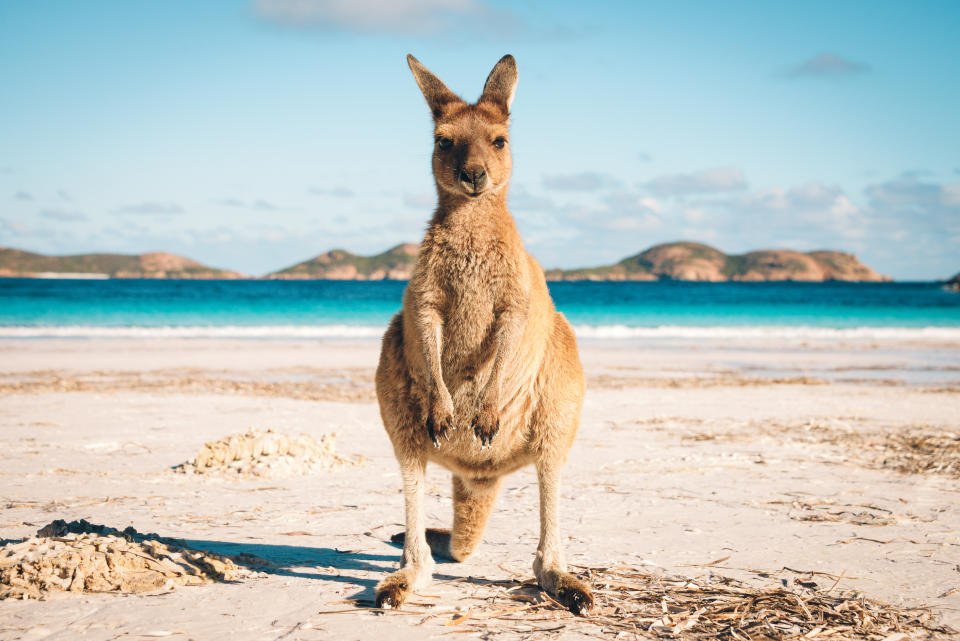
(420, 200)
(583, 181)
(708, 181)
(263, 205)
(524, 201)
(378, 16)
(337, 192)
(150, 207)
(809, 206)
(906, 194)
(636, 223)
(650, 203)
(827, 64)
(62, 215)
(950, 195)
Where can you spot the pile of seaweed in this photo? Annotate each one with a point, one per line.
(86, 557)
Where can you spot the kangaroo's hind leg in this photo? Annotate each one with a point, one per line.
(549, 565)
(404, 424)
(556, 422)
(473, 501)
(416, 565)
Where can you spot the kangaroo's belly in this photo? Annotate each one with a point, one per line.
(468, 353)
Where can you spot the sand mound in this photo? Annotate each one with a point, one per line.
(86, 557)
(267, 454)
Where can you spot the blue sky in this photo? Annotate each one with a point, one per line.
(256, 134)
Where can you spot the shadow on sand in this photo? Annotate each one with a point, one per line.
(297, 561)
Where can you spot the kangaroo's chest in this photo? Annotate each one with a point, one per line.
(472, 281)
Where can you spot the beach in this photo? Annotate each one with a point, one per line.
(776, 461)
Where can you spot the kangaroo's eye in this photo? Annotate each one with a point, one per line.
(444, 143)
(499, 142)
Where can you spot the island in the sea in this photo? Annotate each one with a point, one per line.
(699, 262)
(669, 261)
(24, 264)
(685, 261)
(954, 284)
(338, 264)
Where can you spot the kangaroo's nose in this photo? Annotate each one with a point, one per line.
(473, 177)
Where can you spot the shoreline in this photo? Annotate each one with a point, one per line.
(926, 333)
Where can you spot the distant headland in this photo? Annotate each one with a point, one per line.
(24, 264)
(954, 284)
(670, 261)
(681, 261)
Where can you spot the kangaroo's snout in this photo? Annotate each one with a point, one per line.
(473, 178)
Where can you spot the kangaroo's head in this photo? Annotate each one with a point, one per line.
(471, 143)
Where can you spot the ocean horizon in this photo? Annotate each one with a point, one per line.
(40, 308)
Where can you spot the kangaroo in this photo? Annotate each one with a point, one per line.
(478, 372)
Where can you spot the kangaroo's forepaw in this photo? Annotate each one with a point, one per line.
(392, 591)
(485, 426)
(439, 426)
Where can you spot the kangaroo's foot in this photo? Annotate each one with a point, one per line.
(570, 591)
(485, 425)
(438, 539)
(396, 587)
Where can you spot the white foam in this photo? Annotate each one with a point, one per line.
(195, 331)
(771, 331)
(926, 334)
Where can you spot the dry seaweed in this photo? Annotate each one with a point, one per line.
(260, 453)
(610, 381)
(632, 603)
(319, 385)
(921, 452)
(86, 557)
(832, 512)
(913, 449)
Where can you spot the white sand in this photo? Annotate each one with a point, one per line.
(668, 470)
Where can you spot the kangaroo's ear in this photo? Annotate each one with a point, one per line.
(501, 83)
(433, 89)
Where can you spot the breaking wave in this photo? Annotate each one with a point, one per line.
(583, 331)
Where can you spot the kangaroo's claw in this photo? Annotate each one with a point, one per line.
(485, 426)
(439, 428)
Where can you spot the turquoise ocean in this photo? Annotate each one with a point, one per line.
(41, 308)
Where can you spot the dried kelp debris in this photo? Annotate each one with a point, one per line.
(633, 603)
(913, 449)
(910, 449)
(921, 452)
(260, 453)
(349, 384)
(721, 607)
(832, 512)
(86, 557)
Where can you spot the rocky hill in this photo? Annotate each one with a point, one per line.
(338, 264)
(18, 263)
(669, 261)
(695, 261)
(954, 284)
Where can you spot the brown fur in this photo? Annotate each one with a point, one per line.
(478, 372)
